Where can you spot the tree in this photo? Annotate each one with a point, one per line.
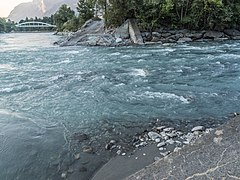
(2, 26)
(117, 12)
(86, 11)
(71, 25)
(63, 15)
(6, 25)
(149, 16)
(210, 14)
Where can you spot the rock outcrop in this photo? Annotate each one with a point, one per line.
(92, 33)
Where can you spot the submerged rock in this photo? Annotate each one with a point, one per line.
(80, 137)
(77, 156)
(82, 169)
(213, 34)
(87, 149)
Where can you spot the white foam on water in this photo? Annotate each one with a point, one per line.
(179, 71)
(15, 89)
(167, 96)
(6, 66)
(121, 84)
(66, 61)
(163, 95)
(5, 111)
(72, 52)
(141, 60)
(142, 55)
(214, 94)
(115, 54)
(228, 56)
(126, 56)
(8, 112)
(54, 78)
(6, 90)
(139, 72)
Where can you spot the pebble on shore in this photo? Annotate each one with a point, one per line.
(166, 139)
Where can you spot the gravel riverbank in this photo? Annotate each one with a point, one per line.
(214, 156)
(150, 146)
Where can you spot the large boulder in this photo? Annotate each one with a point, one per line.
(134, 32)
(96, 40)
(186, 39)
(123, 31)
(236, 37)
(194, 35)
(232, 32)
(213, 35)
(86, 35)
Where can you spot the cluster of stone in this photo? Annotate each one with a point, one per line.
(181, 36)
(168, 139)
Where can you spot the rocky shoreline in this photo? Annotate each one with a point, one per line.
(86, 153)
(180, 36)
(150, 146)
(93, 33)
(166, 139)
(214, 156)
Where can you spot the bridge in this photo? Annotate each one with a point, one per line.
(35, 24)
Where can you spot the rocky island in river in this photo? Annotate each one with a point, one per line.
(93, 33)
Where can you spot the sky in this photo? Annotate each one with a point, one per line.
(6, 6)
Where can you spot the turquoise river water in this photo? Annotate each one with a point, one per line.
(47, 93)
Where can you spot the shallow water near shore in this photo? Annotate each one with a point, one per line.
(48, 93)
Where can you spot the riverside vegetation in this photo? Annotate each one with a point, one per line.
(144, 22)
(6, 25)
(153, 14)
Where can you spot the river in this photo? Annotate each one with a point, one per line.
(48, 93)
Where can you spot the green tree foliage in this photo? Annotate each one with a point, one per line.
(62, 16)
(65, 18)
(85, 10)
(72, 24)
(116, 12)
(209, 14)
(149, 16)
(191, 14)
(6, 25)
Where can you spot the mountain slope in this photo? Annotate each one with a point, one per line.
(39, 8)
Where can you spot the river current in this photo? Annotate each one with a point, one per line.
(48, 93)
